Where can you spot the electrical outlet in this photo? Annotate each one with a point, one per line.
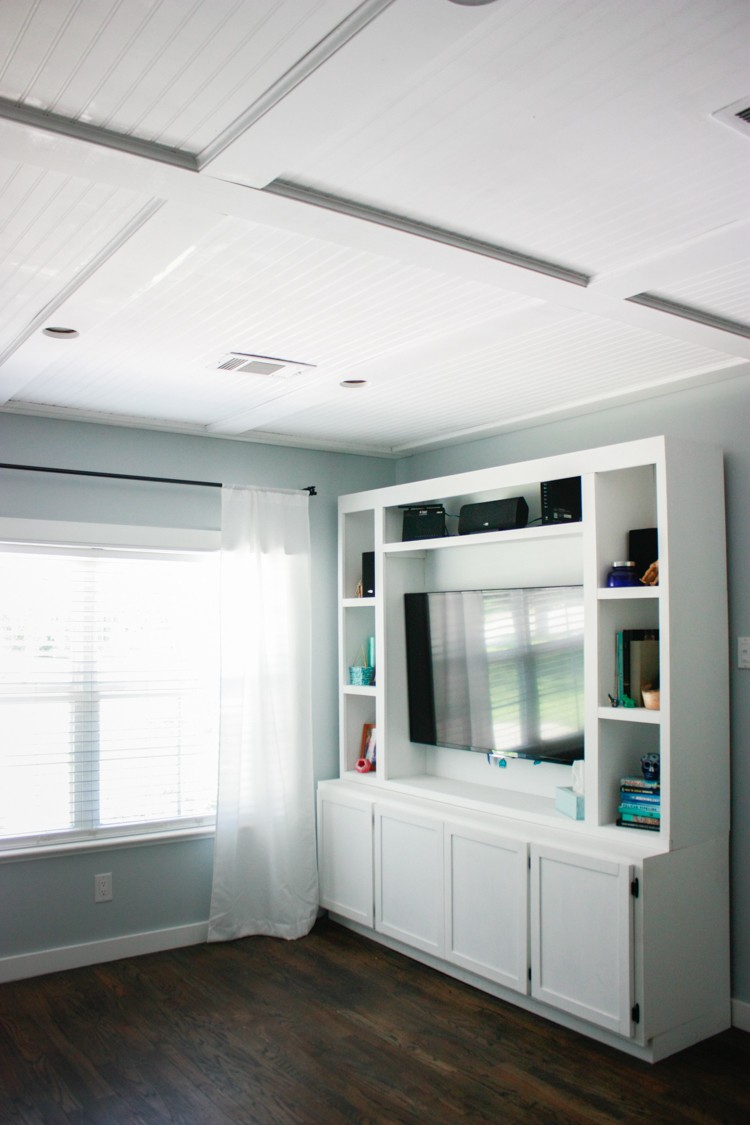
(103, 887)
(743, 652)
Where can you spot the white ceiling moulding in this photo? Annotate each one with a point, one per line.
(342, 34)
(94, 134)
(193, 429)
(687, 312)
(301, 194)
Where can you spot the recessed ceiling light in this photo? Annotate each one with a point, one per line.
(61, 333)
(353, 384)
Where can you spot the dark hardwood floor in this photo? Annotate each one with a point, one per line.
(331, 1029)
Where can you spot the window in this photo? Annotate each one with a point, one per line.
(108, 692)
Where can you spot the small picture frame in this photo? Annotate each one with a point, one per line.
(367, 749)
(366, 760)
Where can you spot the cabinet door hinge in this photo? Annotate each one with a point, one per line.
(635, 888)
(529, 973)
(635, 1013)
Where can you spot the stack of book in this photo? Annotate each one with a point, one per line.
(640, 804)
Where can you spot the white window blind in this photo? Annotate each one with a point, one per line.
(109, 675)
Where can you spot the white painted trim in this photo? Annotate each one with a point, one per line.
(741, 1015)
(107, 535)
(26, 965)
(257, 437)
(105, 843)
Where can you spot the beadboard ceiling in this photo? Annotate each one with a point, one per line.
(483, 215)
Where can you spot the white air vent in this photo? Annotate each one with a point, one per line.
(264, 365)
(736, 116)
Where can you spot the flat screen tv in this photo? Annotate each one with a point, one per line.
(497, 671)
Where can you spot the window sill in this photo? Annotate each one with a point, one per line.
(105, 843)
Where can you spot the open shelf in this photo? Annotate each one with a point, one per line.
(627, 593)
(417, 547)
(630, 715)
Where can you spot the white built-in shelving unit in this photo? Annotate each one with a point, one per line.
(466, 865)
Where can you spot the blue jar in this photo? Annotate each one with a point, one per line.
(623, 574)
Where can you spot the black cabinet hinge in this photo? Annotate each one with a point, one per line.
(635, 1013)
(529, 972)
(635, 888)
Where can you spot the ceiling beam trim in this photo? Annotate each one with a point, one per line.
(302, 194)
(94, 135)
(687, 312)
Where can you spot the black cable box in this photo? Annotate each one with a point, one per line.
(561, 500)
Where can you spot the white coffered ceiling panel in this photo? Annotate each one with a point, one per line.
(573, 364)
(177, 72)
(52, 228)
(240, 287)
(491, 213)
(580, 132)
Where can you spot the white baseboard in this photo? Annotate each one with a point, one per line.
(741, 1015)
(95, 952)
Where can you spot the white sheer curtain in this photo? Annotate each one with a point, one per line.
(265, 872)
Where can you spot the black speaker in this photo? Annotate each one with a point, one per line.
(493, 515)
(643, 548)
(368, 574)
(561, 500)
(426, 522)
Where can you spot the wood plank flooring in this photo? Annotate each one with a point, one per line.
(330, 1030)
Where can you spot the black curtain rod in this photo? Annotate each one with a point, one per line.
(310, 488)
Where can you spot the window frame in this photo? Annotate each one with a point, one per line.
(49, 534)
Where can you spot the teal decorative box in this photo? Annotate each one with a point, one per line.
(568, 802)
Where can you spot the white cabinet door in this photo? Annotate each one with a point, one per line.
(581, 936)
(486, 905)
(409, 879)
(345, 860)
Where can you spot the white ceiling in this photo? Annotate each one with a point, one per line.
(456, 203)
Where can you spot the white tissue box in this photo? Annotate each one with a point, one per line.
(568, 802)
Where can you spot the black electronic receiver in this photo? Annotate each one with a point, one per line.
(427, 521)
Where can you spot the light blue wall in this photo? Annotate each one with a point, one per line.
(48, 903)
(719, 415)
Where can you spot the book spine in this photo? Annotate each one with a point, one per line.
(642, 827)
(626, 663)
(637, 798)
(637, 818)
(641, 783)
